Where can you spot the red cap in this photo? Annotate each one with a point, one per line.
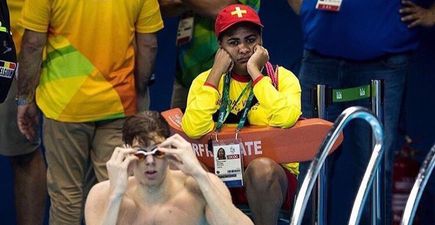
(233, 14)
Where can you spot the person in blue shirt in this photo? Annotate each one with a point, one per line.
(348, 44)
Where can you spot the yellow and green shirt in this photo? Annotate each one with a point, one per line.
(275, 107)
(87, 72)
(15, 7)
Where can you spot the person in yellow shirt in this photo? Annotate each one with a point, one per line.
(236, 89)
(97, 61)
(25, 157)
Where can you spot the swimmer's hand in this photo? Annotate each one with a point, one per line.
(117, 168)
(181, 155)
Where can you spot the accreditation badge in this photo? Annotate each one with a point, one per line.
(329, 5)
(228, 163)
(185, 29)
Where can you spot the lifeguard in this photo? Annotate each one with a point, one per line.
(242, 87)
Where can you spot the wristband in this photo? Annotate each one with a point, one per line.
(23, 100)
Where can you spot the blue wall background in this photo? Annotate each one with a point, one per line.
(282, 37)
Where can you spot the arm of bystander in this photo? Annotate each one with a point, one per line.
(296, 5)
(415, 15)
(30, 60)
(146, 44)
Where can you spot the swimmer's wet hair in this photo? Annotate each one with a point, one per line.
(144, 126)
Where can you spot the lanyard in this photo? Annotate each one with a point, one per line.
(225, 108)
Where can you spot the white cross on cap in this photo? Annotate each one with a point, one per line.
(239, 12)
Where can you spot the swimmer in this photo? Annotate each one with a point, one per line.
(156, 194)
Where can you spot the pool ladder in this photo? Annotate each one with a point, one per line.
(418, 188)
(375, 161)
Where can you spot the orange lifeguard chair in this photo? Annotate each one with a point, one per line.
(296, 144)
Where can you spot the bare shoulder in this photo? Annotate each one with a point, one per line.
(186, 181)
(97, 198)
(193, 185)
(99, 190)
(214, 179)
(218, 183)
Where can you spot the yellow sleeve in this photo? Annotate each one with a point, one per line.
(15, 7)
(293, 167)
(36, 15)
(202, 103)
(150, 19)
(277, 108)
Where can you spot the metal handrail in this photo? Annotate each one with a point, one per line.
(418, 188)
(345, 117)
(379, 183)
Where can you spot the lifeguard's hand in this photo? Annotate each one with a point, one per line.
(257, 60)
(180, 153)
(415, 15)
(117, 168)
(222, 64)
(222, 61)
